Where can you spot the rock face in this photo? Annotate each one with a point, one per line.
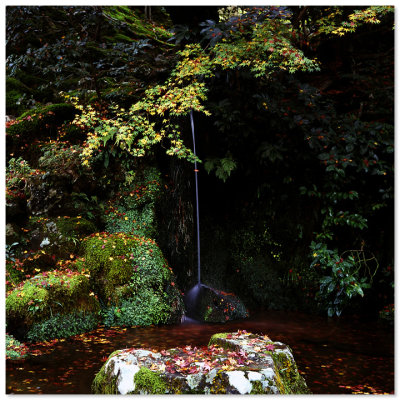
(233, 363)
(210, 305)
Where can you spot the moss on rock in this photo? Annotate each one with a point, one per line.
(288, 378)
(49, 293)
(149, 382)
(246, 364)
(103, 382)
(132, 278)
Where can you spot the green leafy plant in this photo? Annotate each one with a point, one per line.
(222, 166)
(17, 173)
(62, 326)
(344, 276)
(145, 308)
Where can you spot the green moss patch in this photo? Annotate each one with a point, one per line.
(104, 383)
(149, 382)
(288, 377)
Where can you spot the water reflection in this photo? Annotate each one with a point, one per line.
(334, 357)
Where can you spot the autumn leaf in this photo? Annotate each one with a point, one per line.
(270, 347)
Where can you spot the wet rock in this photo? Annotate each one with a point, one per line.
(59, 236)
(233, 363)
(12, 234)
(47, 193)
(206, 304)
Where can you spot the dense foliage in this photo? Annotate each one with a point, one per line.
(293, 113)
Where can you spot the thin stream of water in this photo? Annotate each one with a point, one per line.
(197, 199)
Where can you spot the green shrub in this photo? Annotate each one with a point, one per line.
(62, 326)
(342, 276)
(146, 308)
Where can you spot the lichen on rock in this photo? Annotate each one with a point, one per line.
(233, 363)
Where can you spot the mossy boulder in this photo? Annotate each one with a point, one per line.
(233, 363)
(45, 295)
(132, 278)
(29, 264)
(210, 305)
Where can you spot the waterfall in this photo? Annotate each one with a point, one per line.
(197, 200)
(192, 296)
